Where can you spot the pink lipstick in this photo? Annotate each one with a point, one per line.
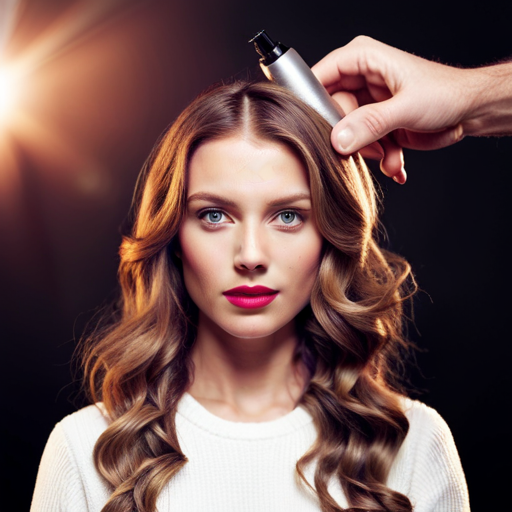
(251, 297)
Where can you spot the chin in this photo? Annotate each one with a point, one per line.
(250, 333)
(252, 328)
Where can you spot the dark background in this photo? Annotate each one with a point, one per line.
(105, 78)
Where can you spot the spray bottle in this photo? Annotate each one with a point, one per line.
(286, 67)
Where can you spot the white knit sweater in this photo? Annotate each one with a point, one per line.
(246, 467)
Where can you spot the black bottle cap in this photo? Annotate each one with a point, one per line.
(269, 50)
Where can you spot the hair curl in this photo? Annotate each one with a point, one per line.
(140, 365)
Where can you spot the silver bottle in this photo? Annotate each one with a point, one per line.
(286, 67)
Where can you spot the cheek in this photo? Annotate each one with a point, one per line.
(307, 266)
(304, 257)
(299, 265)
(201, 262)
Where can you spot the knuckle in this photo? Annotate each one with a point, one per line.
(362, 40)
(376, 121)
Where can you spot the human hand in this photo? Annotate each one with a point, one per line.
(399, 98)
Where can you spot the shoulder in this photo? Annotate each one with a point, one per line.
(90, 418)
(424, 420)
(429, 437)
(427, 467)
(79, 431)
(67, 478)
(93, 417)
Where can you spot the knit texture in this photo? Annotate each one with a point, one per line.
(246, 467)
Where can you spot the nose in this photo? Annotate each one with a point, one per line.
(250, 249)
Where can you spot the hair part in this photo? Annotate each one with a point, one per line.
(350, 334)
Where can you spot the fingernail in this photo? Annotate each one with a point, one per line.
(345, 139)
(400, 177)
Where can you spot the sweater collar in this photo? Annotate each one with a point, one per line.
(196, 413)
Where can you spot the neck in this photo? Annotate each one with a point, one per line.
(246, 379)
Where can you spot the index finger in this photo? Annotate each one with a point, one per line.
(349, 67)
(343, 65)
(337, 69)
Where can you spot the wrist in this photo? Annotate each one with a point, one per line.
(488, 93)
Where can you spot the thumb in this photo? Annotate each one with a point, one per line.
(365, 125)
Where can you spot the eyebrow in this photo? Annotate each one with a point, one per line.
(205, 196)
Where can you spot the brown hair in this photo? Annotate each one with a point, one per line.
(140, 365)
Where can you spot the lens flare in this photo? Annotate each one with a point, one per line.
(9, 89)
(41, 100)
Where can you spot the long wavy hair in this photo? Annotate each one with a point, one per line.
(140, 365)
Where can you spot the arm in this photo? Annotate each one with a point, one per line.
(421, 104)
(490, 112)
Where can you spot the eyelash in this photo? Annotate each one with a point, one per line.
(201, 215)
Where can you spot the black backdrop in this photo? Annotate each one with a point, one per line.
(106, 78)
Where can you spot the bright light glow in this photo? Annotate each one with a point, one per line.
(8, 15)
(36, 120)
(8, 92)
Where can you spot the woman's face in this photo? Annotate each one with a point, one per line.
(248, 224)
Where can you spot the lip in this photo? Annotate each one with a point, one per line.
(250, 290)
(250, 297)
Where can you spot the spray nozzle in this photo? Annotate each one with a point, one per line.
(269, 50)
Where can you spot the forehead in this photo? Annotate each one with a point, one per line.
(241, 164)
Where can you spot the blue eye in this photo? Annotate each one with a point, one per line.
(214, 217)
(288, 217)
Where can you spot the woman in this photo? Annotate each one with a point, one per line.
(252, 363)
